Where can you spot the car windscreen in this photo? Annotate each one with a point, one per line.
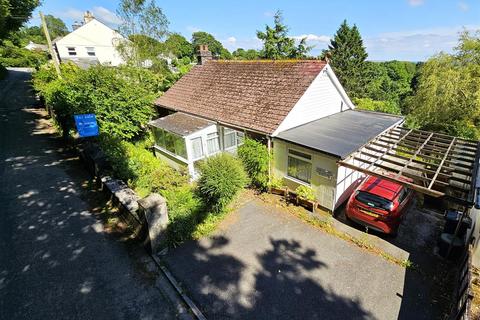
(373, 201)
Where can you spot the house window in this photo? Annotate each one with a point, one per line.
(299, 166)
(240, 137)
(229, 138)
(170, 142)
(91, 51)
(71, 51)
(197, 148)
(213, 143)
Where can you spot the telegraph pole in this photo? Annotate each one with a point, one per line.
(56, 63)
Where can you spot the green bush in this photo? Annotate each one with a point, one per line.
(305, 192)
(276, 183)
(122, 98)
(222, 177)
(378, 106)
(140, 168)
(255, 158)
(11, 56)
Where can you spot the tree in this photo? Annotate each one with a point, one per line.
(214, 45)
(278, 45)
(142, 21)
(14, 13)
(179, 46)
(242, 54)
(56, 26)
(347, 57)
(447, 98)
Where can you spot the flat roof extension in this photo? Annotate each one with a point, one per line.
(181, 123)
(342, 133)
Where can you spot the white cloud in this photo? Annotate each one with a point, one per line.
(232, 43)
(312, 38)
(415, 45)
(415, 3)
(269, 13)
(232, 40)
(105, 15)
(463, 6)
(71, 13)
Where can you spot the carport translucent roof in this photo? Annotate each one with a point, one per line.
(431, 163)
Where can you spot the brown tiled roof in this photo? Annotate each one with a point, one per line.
(255, 95)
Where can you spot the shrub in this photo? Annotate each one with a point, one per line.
(255, 158)
(276, 183)
(222, 177)
(11, 56)
(305, 192)
(376, 105)
(122, 98)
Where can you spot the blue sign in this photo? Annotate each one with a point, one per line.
(86, 125)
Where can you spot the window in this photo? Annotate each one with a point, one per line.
(197, 148)
(229, 138)
(299, 166)
(170, 142)
(71, 51)
(91, 51)
(403, 195)
(213, 144)
(240, 137)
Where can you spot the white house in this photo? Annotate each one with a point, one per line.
(91, 42)
(298, 108)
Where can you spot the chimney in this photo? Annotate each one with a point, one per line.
(76, 25)
(87, 17)
(203, 54)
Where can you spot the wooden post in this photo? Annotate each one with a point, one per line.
(50, 47)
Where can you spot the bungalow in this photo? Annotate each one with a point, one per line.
(297, 107)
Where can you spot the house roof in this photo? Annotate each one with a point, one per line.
(255, 95)
(342, 133)
(181, 123)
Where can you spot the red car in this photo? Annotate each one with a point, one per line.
(379, 204)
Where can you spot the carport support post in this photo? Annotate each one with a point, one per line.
(457, 229)
(269, 147)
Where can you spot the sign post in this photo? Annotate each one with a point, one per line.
(86, 125)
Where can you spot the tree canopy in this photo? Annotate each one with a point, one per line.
(215, 46)
(179, 46)
(278, 45)
(447, 98)
(145, 25)
(242, 54)
(14, 13)
(347, 57)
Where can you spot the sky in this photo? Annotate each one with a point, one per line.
(411, 30)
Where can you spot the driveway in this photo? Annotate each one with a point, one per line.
(265, 263)
(55, 260)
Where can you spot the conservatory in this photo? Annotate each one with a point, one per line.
(183, 140)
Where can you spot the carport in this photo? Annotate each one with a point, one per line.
(435, 164)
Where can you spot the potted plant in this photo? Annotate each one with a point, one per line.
(306, 197)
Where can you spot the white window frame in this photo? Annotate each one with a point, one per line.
(91, 50)
(201, 146)
(302, 159)
(217, 136)
(72, 51)
(235, 140)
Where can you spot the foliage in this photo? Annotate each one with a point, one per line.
(447, 98)
(120, 97)
(11, 56)
(242, 54)
(347, 57)
(376, 105)
(305, 192)
(14, 13)
(278, 45)
(56, 27)
(215, 46)
(222, 177)
(144, 24)
(255, 158)
(276, 183)
(179, 46)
